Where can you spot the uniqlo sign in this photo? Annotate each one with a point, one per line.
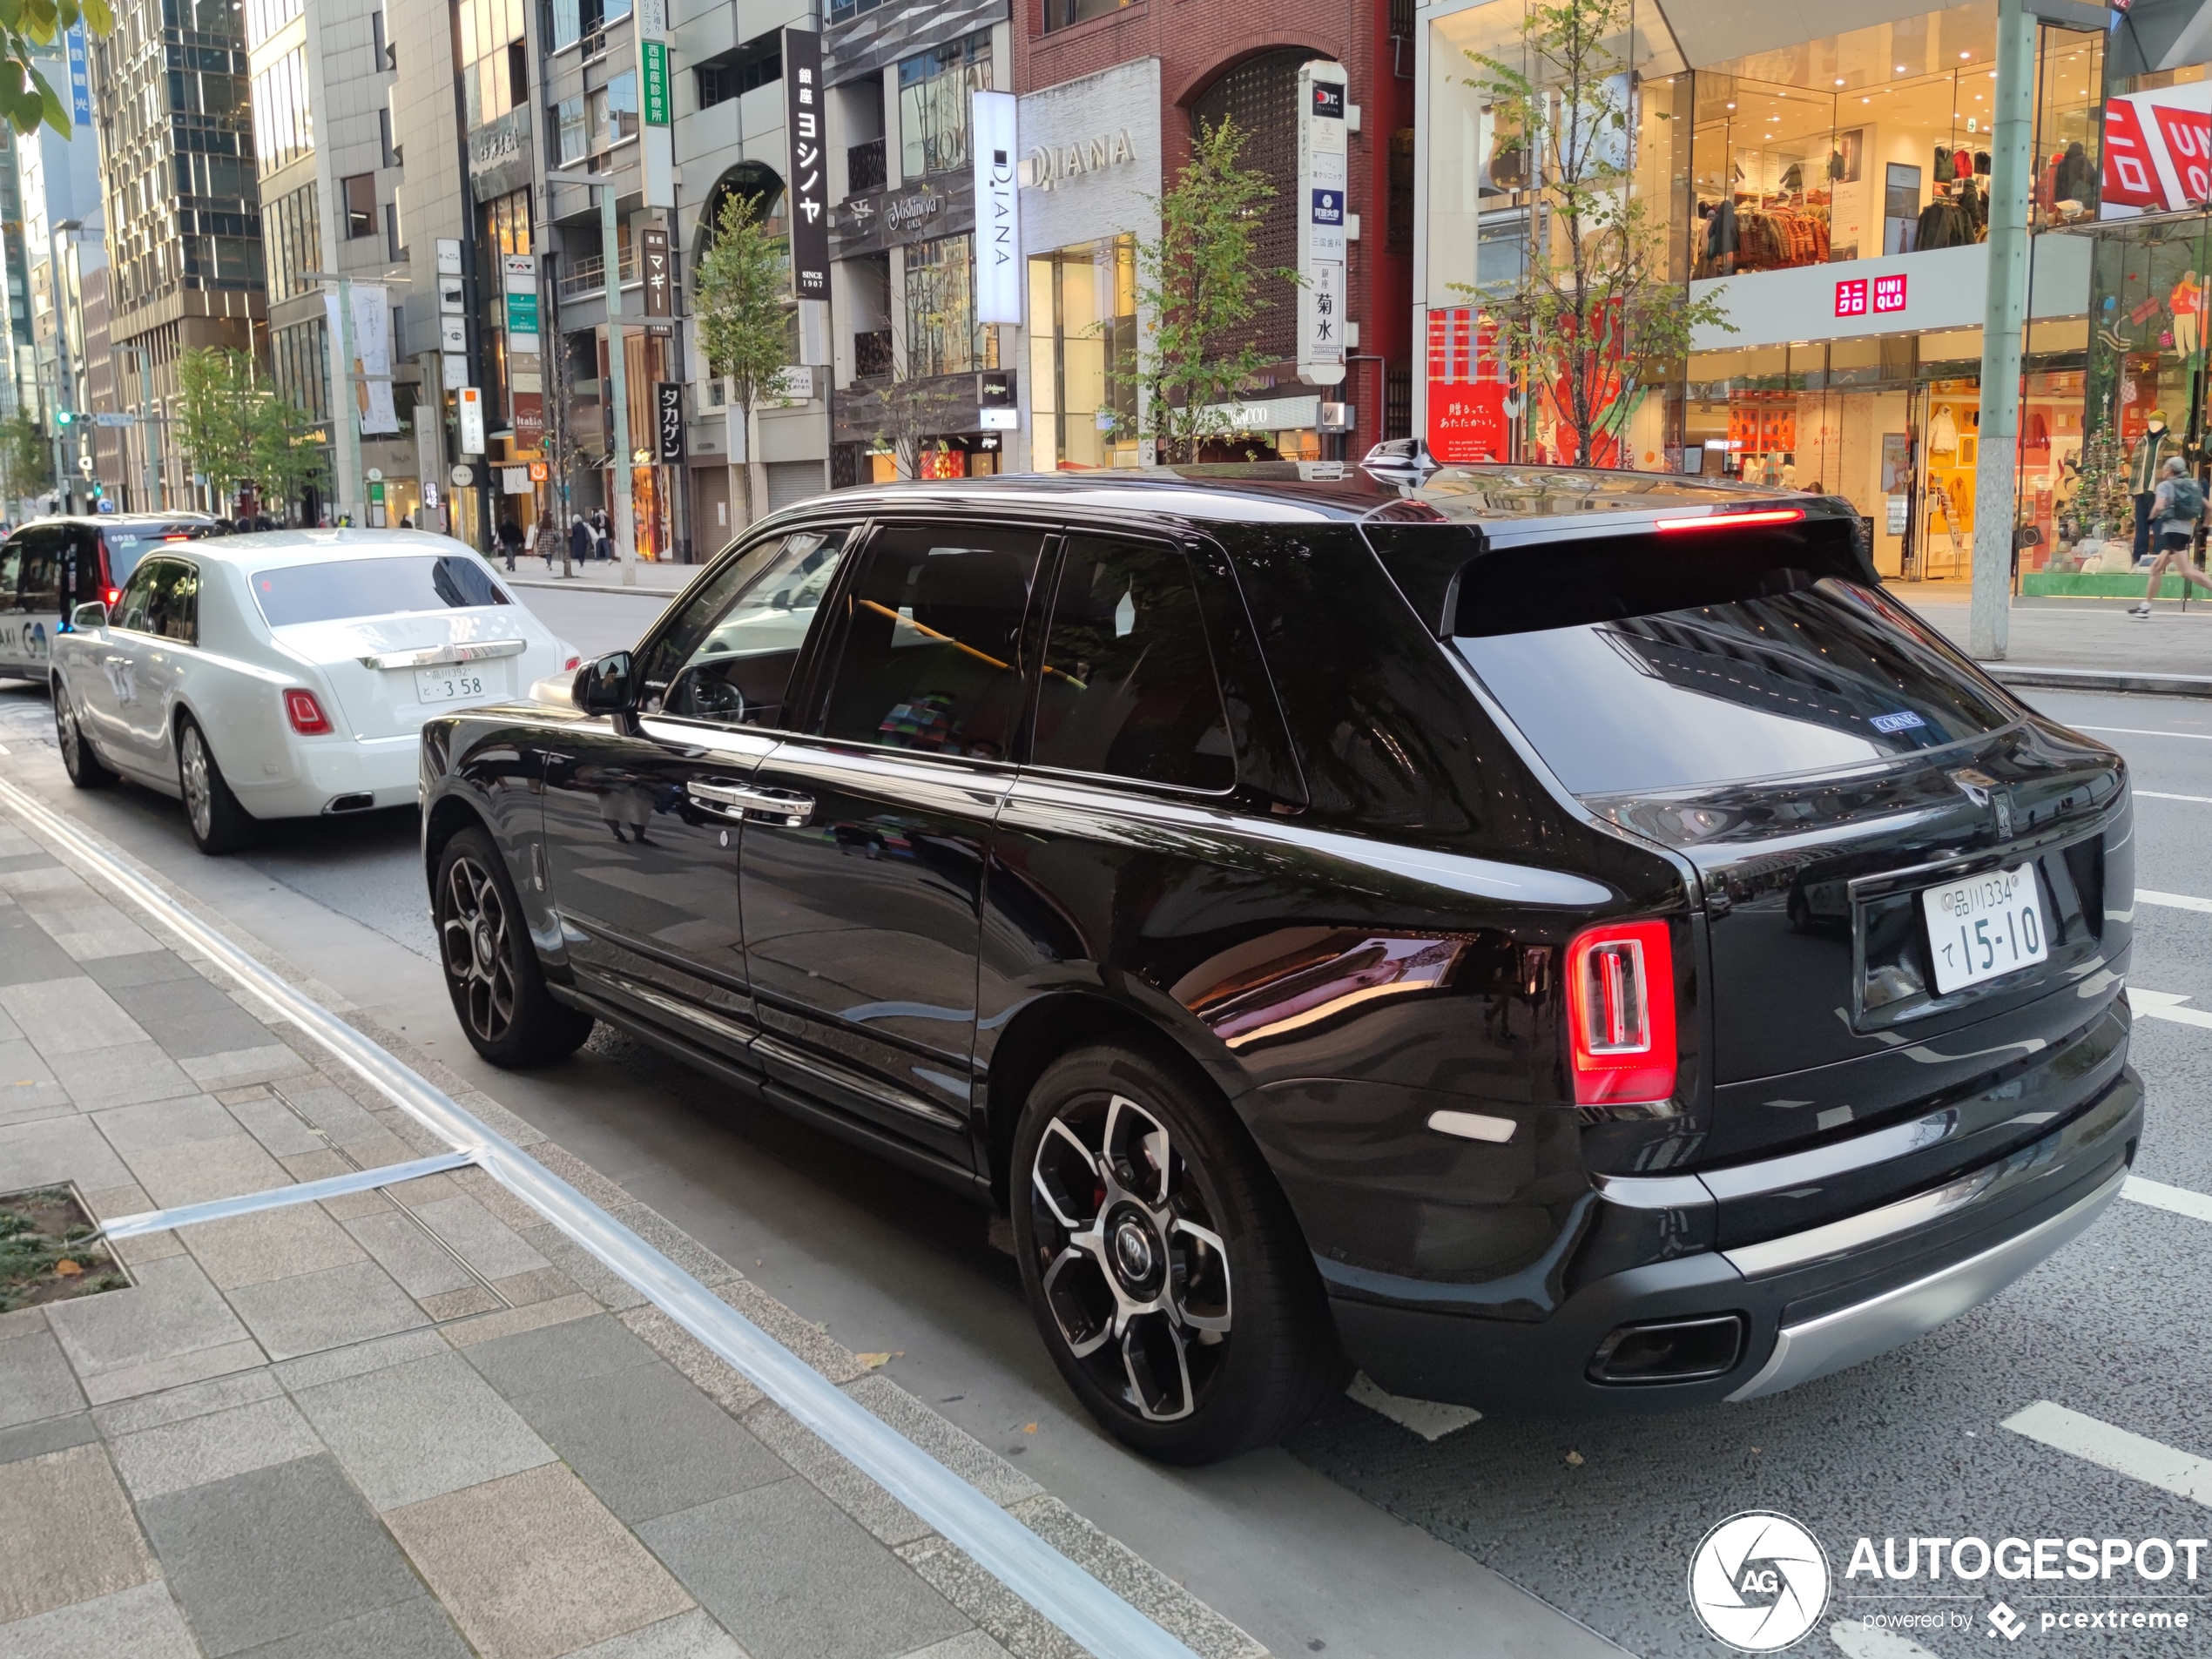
(1889, 292)
(1851, 297)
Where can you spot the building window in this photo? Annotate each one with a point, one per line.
(1060, 14)
(757, 62)
(265, 18)
(568, 132)
(284, 125)
(846, 10)
(574, 20)
(1082, 355)
(613, 113)
(361, 205)
(300, 362)
(942, 334)
(934, 88)
(494, 66)
(292, 233)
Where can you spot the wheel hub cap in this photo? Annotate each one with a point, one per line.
(1133, 1257)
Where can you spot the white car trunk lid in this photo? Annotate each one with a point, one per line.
(389, 673)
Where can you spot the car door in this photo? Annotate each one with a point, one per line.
(12, 657)
(164, 656)
(862, 879)
(38, 615)
(644, 814)
(105, 682)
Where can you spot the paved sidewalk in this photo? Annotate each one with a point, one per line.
(601, 575)
(2094, 635)
(418, 1420)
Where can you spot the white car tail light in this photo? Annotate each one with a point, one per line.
(1620, 1013)
(304, 713)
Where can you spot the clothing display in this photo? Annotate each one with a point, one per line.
(1762, 238)
(2148, 454)
(2185, 301)
(1943, 432)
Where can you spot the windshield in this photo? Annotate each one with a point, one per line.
(1830, 675)
(345, 589)
(126, 547)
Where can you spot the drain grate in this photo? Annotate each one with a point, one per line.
(50, 1249)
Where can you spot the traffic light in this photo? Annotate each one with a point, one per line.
(64, 417)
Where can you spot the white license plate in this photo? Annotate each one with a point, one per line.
(448, 684)
(1985, 927)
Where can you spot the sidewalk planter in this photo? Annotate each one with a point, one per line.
(49, 1251)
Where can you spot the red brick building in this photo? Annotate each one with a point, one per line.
(1241, 59)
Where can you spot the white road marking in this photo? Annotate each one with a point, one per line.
(2147, 731)
(2165, 1005)
(2174, 901)
(2154, 794)
(1430, 1419)
(2159, 1196)
(2182, 1474)
(1870, 1642)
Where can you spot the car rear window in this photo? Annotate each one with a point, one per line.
(126, 547)
(344, 589)
(1652, 665)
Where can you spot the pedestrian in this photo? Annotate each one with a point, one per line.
(579, 539)
(2177, 506)
(407, 520)
(511, 537)
(603, 544)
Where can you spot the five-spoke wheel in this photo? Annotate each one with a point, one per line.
(1166, 1274)
(479, 958)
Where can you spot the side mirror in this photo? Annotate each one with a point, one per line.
(605, 686)
(91, 614)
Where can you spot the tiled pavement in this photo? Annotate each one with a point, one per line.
(414, 1422)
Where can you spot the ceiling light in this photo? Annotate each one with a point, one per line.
(1966, 54)
(1839, 80)
(1900, 69)
(1731, 106)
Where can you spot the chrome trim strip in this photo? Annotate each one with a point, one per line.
(1654, 1192)
(837, 1077)
(1845, 1337)
(1854, 1232)
(336, 1186)
(437, 655)
(1079, 1604)
(1837, 1158)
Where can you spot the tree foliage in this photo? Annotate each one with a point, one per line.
(36, 26)
(1592, 319)
(233, 429)
(26, 461)
(739, 299)
(284, 450)
(1196, 289)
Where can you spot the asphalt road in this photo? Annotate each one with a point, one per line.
(1305, 1546)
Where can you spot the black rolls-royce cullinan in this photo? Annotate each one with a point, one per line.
(1557, 940)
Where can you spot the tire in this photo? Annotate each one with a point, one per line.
(217, 823)
(490, 967)
(79, 758)
(1225, 1341)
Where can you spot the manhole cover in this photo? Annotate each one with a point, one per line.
(48, 1250)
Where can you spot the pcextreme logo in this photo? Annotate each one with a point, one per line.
(1759, 1582)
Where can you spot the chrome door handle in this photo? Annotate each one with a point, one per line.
(770, 805)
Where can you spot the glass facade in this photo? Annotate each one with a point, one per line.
(934, 88)
(942, 334)
(1083, 356)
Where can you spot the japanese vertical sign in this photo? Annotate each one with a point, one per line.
(656, 138)
(653, 248)
(653, 85)
(1467, 394)
(668, 422)
(1323, 149)
(525, 358)
(999, 267)
(809, 178)
(80, 78)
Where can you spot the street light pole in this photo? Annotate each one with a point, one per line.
(616, 393)
(67, 393)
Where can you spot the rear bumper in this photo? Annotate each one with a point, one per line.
(385, 769)
(1835, 1304)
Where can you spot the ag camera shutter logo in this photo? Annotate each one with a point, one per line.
(1758, 1581)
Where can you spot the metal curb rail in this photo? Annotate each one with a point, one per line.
(248, 1203)
(1078, 1604)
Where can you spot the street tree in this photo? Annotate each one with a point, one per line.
(1592, 319)
(1197, 292)
(213, 423)
(26, 461)
(284, 449)
(739, 297)
(28, 27)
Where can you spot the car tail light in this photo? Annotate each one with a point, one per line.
(1620, 1013)
(304, 713)
(573, 662)
(1733, 521)
(113, 594)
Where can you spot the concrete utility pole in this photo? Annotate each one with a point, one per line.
(614, 396)
(1997, 458)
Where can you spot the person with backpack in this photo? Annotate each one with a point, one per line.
(2175, 509)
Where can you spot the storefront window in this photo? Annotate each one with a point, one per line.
(934, 88)
(1083, 356)
(942, 334)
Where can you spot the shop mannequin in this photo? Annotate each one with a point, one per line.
(2143, 464)
(2187, 302)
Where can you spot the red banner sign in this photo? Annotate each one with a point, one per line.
(1466, 394)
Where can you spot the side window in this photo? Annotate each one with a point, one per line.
(738, 667)
(41, 573)
(130, 611)
(1129, 687)
(173, 602)
(932, 629)
(11, 570)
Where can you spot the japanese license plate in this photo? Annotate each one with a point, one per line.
(1985, 927)
(448, 684)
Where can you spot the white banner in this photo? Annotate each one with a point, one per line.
(371, 370)
(992, 142)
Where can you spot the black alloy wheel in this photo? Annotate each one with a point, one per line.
(1163, 1266)
(219, 824)
(79, 758)
(491, 968)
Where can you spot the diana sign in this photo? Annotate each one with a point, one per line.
(998, 214)
(1053, 164)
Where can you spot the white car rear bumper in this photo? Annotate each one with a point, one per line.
(325, 772)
